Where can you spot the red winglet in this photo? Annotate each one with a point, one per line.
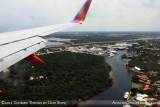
(80, 17)
(34, 59)
(1, 92)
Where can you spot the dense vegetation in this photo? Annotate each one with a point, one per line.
(145, 59)
(154, 43)
(146, 56)
(102, 39)
(67, 76)
(86, 37)
(145, 66)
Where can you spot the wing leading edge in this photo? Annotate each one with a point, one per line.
(19, 45)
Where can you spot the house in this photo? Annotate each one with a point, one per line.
(137, 68)
(147, 48)
(41, 77)
(140, 97)
(145, 61)
(159, 103)
(157, 82)
(31, 78)
(148, 82)
(143, 77)
(153, 73)
(146, 87)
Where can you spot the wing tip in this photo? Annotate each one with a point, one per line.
(80, 17)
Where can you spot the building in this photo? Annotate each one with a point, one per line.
(137, 68)
(41, 77)
(153, 73)
(31, 78)
(144, 79)
(141, 97)
(146, 88)
(157, 82)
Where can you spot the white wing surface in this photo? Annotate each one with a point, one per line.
(18, 45)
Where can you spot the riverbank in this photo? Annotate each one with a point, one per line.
(145, 65)
(122, 82)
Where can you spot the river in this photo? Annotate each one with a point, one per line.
(122, 80)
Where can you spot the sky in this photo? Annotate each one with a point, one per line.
(104, 15)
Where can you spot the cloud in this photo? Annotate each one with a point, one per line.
(104, 15)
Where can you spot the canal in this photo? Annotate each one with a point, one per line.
(122, 80)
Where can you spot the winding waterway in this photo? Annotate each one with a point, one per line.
(121, 83)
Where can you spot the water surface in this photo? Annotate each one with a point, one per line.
(122, 80)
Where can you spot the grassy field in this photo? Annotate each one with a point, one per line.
(137, 85)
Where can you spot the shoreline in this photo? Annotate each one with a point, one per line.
(78, 103)
(113, 90)
(105, 89)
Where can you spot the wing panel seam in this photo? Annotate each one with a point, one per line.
(1, 60)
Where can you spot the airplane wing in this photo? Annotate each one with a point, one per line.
(18, 45)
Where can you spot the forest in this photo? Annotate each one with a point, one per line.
(88, 37)
(65, 76)
(103, 38)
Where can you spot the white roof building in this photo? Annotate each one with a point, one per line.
(140, 97)
(137, 68)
